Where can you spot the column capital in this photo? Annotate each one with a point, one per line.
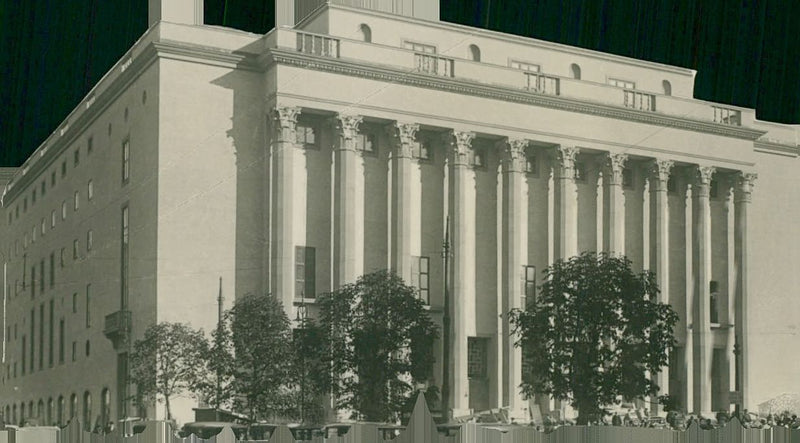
(661, 170)
(347, 125)
(615, 163)
(460, 145)
(566, 156)
(284, 123)
(403, 135)
(702, 180)
(514, 159)
(744, 186)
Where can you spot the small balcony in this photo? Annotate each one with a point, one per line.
(542, 84)
(434, 64)
(117, 328)
(727, 116)
(317, 45)
(639, 100)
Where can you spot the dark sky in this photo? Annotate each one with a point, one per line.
(746, 52)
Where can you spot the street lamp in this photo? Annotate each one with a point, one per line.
(302, 315)
(446, 325)
(737, 355)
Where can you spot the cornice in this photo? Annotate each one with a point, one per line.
(462, 86)
(777, 148)
(207, 55)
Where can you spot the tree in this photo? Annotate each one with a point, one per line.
(263, 357)
(593, 331)
(168, 361)
(215, 387)
(376, 339)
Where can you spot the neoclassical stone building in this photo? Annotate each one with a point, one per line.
(343, 142)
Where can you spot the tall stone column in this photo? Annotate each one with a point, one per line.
(614, 203)
(463, 269)
(659, 249)
(567, 202)
(403, 144)
(515, 254)
(285, 152)
(701, 323)
(348, 203)
(743, 193)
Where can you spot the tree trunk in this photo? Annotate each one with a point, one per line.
(166, 402)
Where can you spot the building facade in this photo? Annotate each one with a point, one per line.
(342, 142)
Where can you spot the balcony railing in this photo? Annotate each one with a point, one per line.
(117, 327)
(639, 100)
(433, 64)
(318, 45)
(543, 84)
(727, 116)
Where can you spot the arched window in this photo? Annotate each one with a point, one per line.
(366, 33)
(49, 417)
(105, 407)
(40, 412)
(667, 87)
(14, 414)
(60, 411)
(576, 71)
(87, 411)
(474, 53)
(22, 412)
(31, 412)
(73, 406)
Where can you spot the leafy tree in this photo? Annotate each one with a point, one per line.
(167, 361)
(376, 339)
(263, 357)
(593, 331)
(307, 397)
(215, 387)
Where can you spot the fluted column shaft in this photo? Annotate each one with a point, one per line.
(463, 269)
(284, 154)
(515, 253)
(348, 203)
(568, 202)
(743, 192)
(701, 323)
(659, 248)
(403, 138)
(614, 204)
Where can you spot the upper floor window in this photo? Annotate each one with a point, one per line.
(575, 70)
(53, 179)
(420, 277)
(423, 148)
(530, 284)
(90, 190)
(33, 196)
(305, 272)
(474, 53)
(667, 87)
(524, 66)
(621, 83)
(307, 135)
(672, 186)
(367, 142)
(713, 191)
(52, 219)
(64, 210)
(77, 199)
(77, 156)
(366, 33)
(580, 172)
(89, 145)
(477, 353)
(420, 47)
(627, 178)
(44, 187)
(126, 160)
(531, 163)
(89, 240)
(479, 156)
(63, 169)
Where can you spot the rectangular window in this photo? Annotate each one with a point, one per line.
(33, 281)
(63, 169)
(88, 305)
(41, 276)
(90, 190)
(24, 354)
(531, 163)
(33, 196)
(64, 210)
(367, 143)
(25, 205)
(476, 358)
(77, 156)
(74, 350)
(714, 301)
(41, 336)
(530, 285)
(126, 160)
(423, 149)
(52, 270)
(61, 256)
(419, 47)
(524, 66)
(124, 259)
(52, 219)
(478, 159)
(43, 226)
(77, 200)
(74, 302)
(51, 334)
(627, 178)
(580, 172)
(89, 240)
(44, 187)
(61, 341)
(621, 83)
(420, 277)
(75, 249)
(53, 179)
(89, 146)
(33, 341)
(305, 272)
(307, 135)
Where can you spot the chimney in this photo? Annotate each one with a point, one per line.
(186, 12)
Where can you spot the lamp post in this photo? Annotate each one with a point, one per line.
(737, 355)
(446, 325)
(301, 317)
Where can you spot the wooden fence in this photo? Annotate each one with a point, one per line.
(422, 429)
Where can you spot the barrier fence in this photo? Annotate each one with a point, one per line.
(422, 429)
